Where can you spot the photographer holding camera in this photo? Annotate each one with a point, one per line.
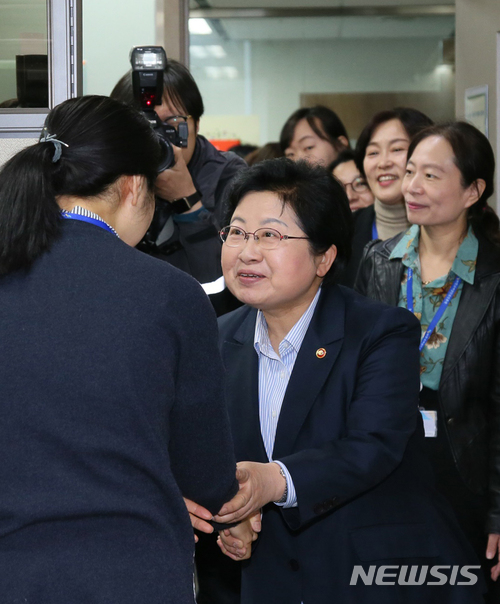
(190, 192)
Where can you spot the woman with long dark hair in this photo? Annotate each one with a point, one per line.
(108, 412)
(314, 134)
(446, 270)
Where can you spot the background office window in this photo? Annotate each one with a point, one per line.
(40, 62)
(23, 54)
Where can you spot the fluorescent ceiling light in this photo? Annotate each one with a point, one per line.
(443, 69)
(226, 72)
(199, 27)
(216, 51)
(230, 72)
(198, 52)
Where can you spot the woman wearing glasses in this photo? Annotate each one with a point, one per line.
(361, 200)
(346, 171)
(328, 433)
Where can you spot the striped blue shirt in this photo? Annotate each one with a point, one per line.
(274, 374)
(84, 212)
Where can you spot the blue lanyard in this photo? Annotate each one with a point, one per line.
(374, 230)
(100, 223)
(440, 310)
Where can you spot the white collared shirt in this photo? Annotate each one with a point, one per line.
(274, 374)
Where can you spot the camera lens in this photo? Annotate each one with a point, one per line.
(167, 159)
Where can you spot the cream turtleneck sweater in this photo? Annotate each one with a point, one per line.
(390, 219)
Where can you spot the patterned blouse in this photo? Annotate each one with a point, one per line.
(427, 298)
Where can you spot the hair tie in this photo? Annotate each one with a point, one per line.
(51, 138)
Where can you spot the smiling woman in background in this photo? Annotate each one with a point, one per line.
(446, 270)
(315, 134)
(381, 157)
(382, 148)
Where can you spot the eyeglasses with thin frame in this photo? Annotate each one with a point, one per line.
(175, 120)
(359, 185)
(267, 239)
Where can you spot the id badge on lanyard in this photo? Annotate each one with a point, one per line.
(430, 417)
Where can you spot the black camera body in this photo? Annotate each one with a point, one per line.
(148, 63)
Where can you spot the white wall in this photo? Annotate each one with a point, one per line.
(478, 22)
(281, 71)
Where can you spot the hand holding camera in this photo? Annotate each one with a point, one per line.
(176, 182)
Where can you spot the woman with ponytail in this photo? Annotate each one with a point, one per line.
(110, 378)
(446, 270)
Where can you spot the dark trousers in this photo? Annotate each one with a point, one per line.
(218, 577)
(470, 508)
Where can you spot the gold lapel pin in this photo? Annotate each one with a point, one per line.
(321, 353)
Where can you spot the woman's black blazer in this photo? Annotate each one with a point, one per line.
(469, 389)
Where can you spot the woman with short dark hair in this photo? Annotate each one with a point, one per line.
(326, 430)
(305, 190)
(109, 414)
(446, 270)
(381, 158)
(381, 149)
(346, 171)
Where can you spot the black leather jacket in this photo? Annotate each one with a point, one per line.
(469, 389)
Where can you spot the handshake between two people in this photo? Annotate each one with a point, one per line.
(259, 484)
